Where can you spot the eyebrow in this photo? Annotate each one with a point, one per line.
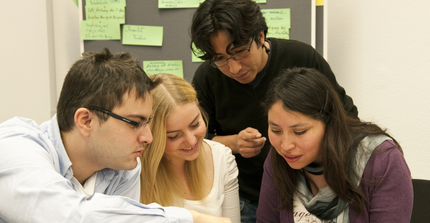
(191, 122)
(292, 126)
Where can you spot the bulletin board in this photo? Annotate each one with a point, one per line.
(176, 24)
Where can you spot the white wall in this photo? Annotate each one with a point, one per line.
(25, 66)
(380, 53)
(40, 41)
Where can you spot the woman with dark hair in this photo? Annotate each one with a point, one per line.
(326, 166)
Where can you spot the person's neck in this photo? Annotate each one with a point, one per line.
(318, 180)
(265, 54)
(75, 149)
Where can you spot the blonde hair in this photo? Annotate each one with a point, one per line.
(158, 181)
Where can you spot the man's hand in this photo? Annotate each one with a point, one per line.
(249, 142)
(205, 218)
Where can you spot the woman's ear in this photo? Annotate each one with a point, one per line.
(84, 121)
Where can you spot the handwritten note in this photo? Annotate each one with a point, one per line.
(163, 4)
(113, 12)
(98, 30)
(195, 58)
(278, 21)
(142, 35)
(105, 2)
(164, 66)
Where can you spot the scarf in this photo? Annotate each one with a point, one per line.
(326, 205)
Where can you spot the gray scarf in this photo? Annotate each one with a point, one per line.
(326, 205)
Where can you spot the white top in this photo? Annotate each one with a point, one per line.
(223, 200)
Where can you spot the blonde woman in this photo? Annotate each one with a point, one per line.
(180, 167)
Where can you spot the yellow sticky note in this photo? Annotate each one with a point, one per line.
(319, 2)
(105, 2)
(195, 58)
(142, 35)
(164, 66)
(100, 30)
(165, 4)
(112, 12)
(278, 21)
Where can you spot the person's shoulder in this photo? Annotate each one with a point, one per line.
(290, 43)
(19, 122)
(204, 70)
(293, 49)
(218, 148)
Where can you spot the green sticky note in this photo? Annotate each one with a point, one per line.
(195, 58)
(142, 35)
(100, 30)
(76, 2)
(165, 4)
(278, 21)
(260, 1)
(105, 2)
(113, 12)
(164, 66)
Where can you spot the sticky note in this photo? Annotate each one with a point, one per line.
(164, 66)
(105, 2)
(164, 4)
(142, 35)
(195, 58)
(100, 30)
(278, 21)
(112, 12)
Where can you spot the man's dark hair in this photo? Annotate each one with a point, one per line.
(100, 79)
(241, 19)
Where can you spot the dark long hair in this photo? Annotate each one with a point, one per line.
(308, 92)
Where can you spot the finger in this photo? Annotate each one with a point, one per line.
(249, 152)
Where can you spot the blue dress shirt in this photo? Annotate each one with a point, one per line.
(35, 183)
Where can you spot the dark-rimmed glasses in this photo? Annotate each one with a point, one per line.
(139, 126)
(237, 56)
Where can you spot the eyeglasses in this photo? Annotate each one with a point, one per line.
(139, 125)
(237, 56)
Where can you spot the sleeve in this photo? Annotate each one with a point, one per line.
(203, 95)
(390, 190)
(322, 65)
(231, 205)
(268, 201)
(36, 192)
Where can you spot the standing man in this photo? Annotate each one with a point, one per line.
(232, 82)
(82, 165)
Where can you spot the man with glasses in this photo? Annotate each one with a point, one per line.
(83, 165)
(232, 82)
